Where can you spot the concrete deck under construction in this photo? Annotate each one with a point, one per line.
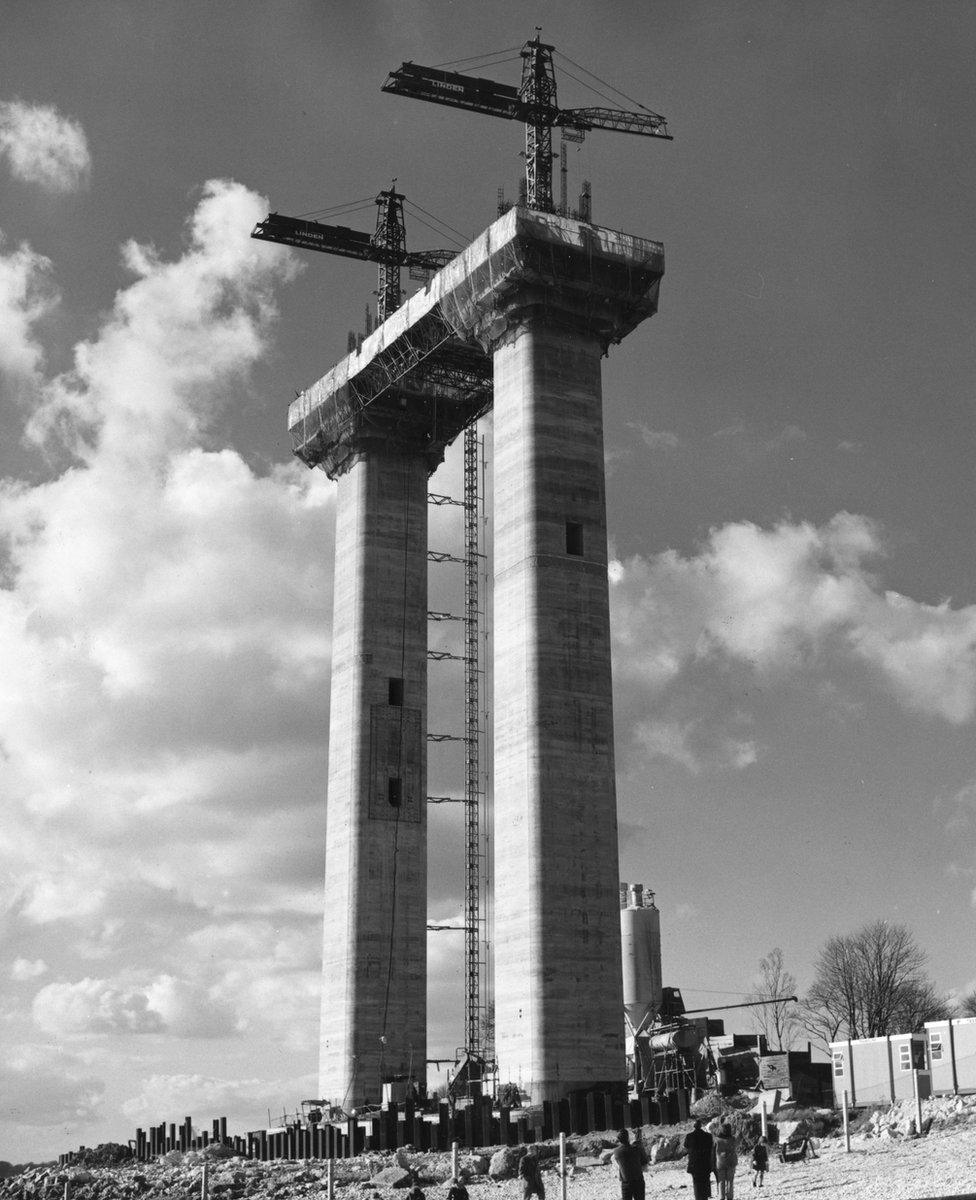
(544, 296)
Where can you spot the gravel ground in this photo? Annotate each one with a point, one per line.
(885, 1163)
(942, 1164)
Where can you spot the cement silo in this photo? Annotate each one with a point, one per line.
(640, 937)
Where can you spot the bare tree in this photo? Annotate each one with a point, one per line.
(821, 1023)
(776, 1022)
(966, 1005)
(870, 983)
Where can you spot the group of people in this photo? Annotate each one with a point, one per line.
(708, 1156)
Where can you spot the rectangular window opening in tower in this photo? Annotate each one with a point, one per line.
(574, 538)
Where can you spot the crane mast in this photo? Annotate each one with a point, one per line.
(533, 103)
(538, 94)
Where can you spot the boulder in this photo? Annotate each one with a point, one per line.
(393, 1177)
(585, 1161)
(504, 1162)
(666, 1149)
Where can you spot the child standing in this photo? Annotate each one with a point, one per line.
(760, 1162)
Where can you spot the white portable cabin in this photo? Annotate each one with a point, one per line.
(879, 1070)
(952, 1054)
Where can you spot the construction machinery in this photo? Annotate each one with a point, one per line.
(533, 102)
(386, 246)
(671, 1051)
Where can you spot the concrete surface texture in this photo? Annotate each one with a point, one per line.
(374, 946)
(558, 1010)
(547, 295)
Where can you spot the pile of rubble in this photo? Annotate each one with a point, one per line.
(108, 1173)
(899, 1119)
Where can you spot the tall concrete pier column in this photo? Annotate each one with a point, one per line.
(547, 295)
(374, 955)
(556, 907)
(378, 423)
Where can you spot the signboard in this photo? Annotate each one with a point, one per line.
(774, 1072)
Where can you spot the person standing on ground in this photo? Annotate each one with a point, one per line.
(760, 1162)
(698, 1144)
(725, 1160)
(630, 1167)
(531, 1177)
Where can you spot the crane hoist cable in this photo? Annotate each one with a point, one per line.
(478, 58)
(413, 206)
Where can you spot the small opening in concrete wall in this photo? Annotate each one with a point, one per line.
(574, 538)
(394, 791)
(396, 692)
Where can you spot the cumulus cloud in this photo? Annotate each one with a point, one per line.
(43, 147)
(94, 1006)
(27, 294)
(782, 598)
(164, 1004)
(22, 969)
(165, 638)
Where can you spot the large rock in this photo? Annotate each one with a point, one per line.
(393, 1177)
(666, 1149)
(474, 1164)
(504, 1163)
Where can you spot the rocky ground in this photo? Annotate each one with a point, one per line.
(887, 1161)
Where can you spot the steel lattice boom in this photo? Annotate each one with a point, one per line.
(534, 103)
(386, 246)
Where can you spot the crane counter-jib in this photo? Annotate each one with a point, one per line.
(456, 90)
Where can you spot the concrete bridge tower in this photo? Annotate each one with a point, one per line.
(379, 434)
(546, 295)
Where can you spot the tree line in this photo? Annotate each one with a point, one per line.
(868, 983)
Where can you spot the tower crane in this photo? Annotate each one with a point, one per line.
(533, 102)
(387, 247)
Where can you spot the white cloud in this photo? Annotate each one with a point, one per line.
(43, 147)
(787, 597)
(694, 745)
(94, 1006)
(26, 296)
(165, 638)
(22, 969)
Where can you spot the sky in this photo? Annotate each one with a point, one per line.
(790, 499)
